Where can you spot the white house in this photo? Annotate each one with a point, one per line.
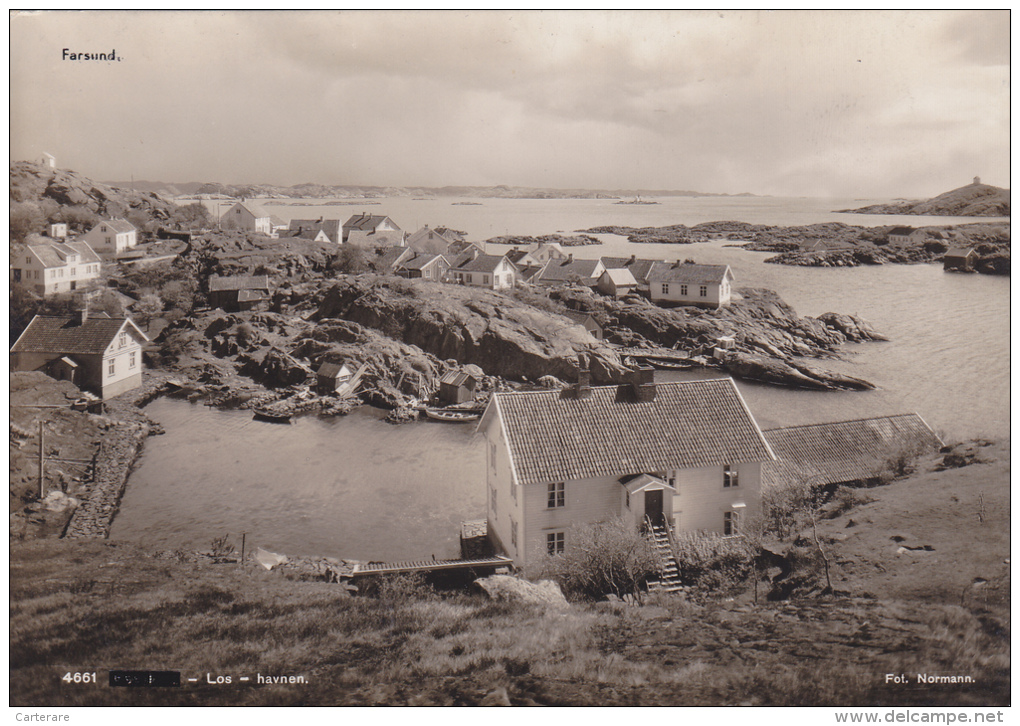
(562, 271)
(490, 271)
(429, 240)
(370, 225)
(687, 283)
(248, 216)
(112, 236)
(56, 268)
(97, 352)
(546, 251)
(688, 453)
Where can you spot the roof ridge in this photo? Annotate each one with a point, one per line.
(548, 391)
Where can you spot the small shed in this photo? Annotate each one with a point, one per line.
(960, 259)
(331, 377)
(587, 321)
(617, 282)
(457, 387)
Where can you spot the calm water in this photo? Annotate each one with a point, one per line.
(358, 487)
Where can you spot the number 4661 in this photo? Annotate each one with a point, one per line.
(79, 678)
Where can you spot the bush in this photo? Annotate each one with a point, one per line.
(604, 557)
(782, 507)
(349, 260)
(26, 218)
(711, 562)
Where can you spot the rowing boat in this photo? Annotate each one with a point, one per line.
(437, 414)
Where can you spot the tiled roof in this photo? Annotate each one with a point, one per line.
(63, 334)
(527, 272)
(365, 238)
(844, 450)
(563, 270)
(419, 262)
(330, 226)
(239, 282)
(515, 255)
(386, 258)
(688, 272)
(555, 436)
(638, 267)
(56, 254)
(367, 221)
(118, 225)
(482, 263)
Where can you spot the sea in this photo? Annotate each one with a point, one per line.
(357, 487)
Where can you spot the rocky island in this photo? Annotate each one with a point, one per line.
(973, 200)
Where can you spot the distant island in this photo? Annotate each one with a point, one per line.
(973, 200)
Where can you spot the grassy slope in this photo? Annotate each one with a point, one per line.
(96, 606)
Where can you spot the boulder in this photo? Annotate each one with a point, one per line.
(506, 588)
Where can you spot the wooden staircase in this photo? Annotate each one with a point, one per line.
(669, 570)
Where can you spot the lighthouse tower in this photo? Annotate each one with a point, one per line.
(977, 180)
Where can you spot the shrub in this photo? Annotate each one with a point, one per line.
(782, 506)
(604, 557)
(350, 260)
(711, 562)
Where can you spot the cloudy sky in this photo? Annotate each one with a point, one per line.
(837, 103)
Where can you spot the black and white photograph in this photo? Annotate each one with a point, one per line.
(573, 358)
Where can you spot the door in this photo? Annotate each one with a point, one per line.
(653, 506)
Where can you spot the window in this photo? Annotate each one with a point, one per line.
(703, 291)
(557, 496)
(28, 260)
(485, 279)
(729, 475)
(112, 368)
(683, 289)
(665, 288)
(74, 271)
(627, 498)
(731, 524)
(131, 359)
(122, 340)
(554, 542)
(513, 533)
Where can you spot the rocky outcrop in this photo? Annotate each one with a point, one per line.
(505, 588)
(502, 336)
(973, 200)
(788, 373)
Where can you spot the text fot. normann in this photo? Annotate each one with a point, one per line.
(68, 54)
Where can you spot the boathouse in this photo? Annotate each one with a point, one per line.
(959, 259)
(845, 452)
(94, 352)
(616, 283)
(688, 454)
(687, 283)
(240, 292)
(457, 387)
(331, 377)
(899, 235)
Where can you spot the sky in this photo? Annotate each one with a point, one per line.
(861, 104)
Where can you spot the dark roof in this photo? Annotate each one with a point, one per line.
(638, 267)
(580, 317)
(527, 272)
(959, 252)
(563, 270)
(900, 230)
(367, 221)
(63, 334)
(515, 255)
(55, 254)
(458, 378)
(844, 450)
(555, 436)
(386, 257)
(419, 262)
(330, 226)
(330, 370)
(239, 282)
(482, 263)
(689, 273)
(254, 209)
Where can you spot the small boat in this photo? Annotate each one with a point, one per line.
(438, 414)
(272, 416)
(668, 365)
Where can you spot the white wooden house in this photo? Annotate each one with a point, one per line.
(687, 283)
(489, 271)
(247, 216)
(688, 453)
(55, 268)
(112, 236)
(96, 352)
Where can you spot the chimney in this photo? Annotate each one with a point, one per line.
(82, 316)
(583, 387)
(570, 258)
(632, 260)
(676, 264)
(642, 383)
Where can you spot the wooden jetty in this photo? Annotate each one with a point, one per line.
(485, 565)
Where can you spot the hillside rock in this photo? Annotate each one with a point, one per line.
(505, 588)
(973, 200)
